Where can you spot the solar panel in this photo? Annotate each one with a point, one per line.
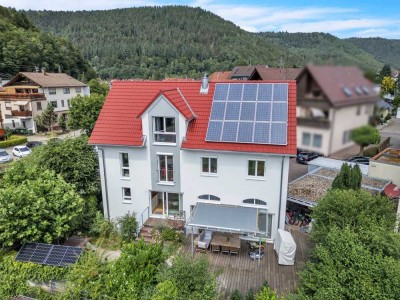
(249, 113)
(46, 254)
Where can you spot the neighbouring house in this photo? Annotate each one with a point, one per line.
(215, 152)
(27, 94)
(386, 165)
(331, 102)
(383, 109)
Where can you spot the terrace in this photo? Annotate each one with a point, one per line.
(308, 189)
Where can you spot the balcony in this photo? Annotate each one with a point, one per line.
(22, 96)
(314, 122)
(19, 113)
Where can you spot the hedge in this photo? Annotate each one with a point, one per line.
(13, 141)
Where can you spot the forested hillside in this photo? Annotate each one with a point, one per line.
(23, 46)
(319, 48)
(158, 42)
(386, 51)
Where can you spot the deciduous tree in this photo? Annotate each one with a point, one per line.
(47, 118)
(388, 85)
(364, 136)
(36, 205)
(84, 111)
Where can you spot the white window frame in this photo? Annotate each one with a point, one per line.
(78, 90)
(66, 90)
(209, 198)
(124, 168)
(52, 91)
(54, 103)
(302, 139)
(126, 199)
(38, 106)
(255, 176)
(163, 132)
(167, 181)
(62, 103)
(209, 158)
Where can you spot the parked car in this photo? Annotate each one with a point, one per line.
(4, 157)
(364, 160)
(33, 144)
(304, 157)
(21, 151)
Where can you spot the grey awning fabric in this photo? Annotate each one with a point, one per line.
(222, 217)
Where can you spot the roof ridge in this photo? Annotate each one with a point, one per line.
(184, 99)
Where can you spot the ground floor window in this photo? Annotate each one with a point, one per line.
(265, 221)
(126, 195)
(306, 139)
(163, 203)
(317, 140)
(209, 197)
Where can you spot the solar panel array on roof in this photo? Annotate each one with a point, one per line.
(46, 254)
(249, 113)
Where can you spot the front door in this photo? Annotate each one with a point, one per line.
(166, 204)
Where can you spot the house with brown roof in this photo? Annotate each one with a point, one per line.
(331, 102)
(213, 154)
(27, 94)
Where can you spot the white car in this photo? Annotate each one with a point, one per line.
(4, 157)
(21, 151)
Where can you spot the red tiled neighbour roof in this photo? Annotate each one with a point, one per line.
(175, 97)
(118, 123)
(219, 76)
(332, 80)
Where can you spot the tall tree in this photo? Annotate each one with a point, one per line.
(98, 87)
(364, 136)
(36, 205)
(388, 85)
(47, 118)
(385, 72)
(84, 111)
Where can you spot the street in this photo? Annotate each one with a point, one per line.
(393, 131)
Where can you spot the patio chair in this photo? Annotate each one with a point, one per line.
(225, 249)
(204, 239)
(215, 248)
(234, 251)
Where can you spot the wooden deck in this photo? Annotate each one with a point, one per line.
(241, 273)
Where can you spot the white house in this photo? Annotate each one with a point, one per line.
(171, 149)
(27, 94)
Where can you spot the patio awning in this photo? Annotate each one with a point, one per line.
(228, 218)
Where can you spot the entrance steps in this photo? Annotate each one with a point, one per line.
(151, 224)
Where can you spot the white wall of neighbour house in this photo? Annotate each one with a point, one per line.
(325, 134)
(347, 119)
(61, 96)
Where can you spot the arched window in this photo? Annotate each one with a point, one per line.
(209, 197)
(254, 201)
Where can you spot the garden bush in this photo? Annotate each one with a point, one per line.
(13, 140)
(127, 227)
(101, 227)
(89, 213)
(168, 234)
(14, 276)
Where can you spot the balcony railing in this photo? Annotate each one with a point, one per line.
(20, 96)
(19, 113)
(314, 122)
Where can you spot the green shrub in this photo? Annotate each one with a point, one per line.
(13, 141)
(89, 213)
(170, 235)
(371, 151)
(101, 227)
(266, 294)
(127, 227)
(14, 276)
(236, 295)
(250, 294)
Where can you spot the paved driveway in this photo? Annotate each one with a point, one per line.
(296, 170)
(393, 131)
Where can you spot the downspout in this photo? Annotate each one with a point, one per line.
(331, 132)
(280, 194)
(105, 182)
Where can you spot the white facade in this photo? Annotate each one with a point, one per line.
(230, 183)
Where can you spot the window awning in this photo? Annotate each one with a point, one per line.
(20, 102)
(228, 218)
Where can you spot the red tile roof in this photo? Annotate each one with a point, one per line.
(332, 80)
(267, 73)
(118, 123)
(175, 97)
(219, 76)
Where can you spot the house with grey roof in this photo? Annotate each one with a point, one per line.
(27, 94)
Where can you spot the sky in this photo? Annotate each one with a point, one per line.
(351, 18)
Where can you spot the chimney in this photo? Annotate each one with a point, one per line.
(43, 71)
(204, 85)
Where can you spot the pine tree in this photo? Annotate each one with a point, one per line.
(348, 178)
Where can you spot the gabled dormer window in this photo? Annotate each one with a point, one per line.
(164, 130)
